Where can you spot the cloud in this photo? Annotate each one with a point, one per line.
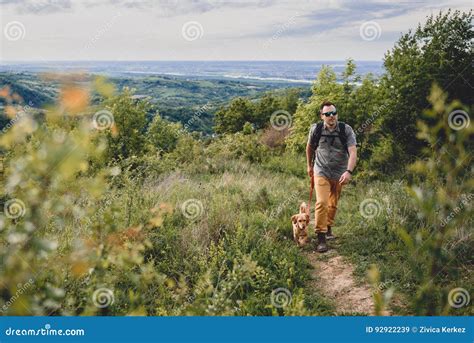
(38, 6)
(162, 8)
(152, 30)
(349, 15)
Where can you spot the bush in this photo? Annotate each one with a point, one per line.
(238, 146)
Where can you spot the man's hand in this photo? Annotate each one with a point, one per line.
(345, 178)
(310, 171)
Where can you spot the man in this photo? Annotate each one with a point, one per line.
(332, 147)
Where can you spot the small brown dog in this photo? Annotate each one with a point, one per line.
(300, 223)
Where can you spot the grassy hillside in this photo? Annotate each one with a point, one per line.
(201, 230)
(34, 91)
(176, 98)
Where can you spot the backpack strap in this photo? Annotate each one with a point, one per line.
(342, 135)
(316, 137)
(317, 134)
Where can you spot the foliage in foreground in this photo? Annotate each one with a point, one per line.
(80, 236)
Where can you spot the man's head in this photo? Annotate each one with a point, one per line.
(328, 113)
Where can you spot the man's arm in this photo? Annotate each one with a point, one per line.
(352, 157)
(309, 159)
(346, 177)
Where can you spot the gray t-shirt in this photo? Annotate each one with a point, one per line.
(331, 157)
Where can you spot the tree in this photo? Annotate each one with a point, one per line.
(264, 110)
(289, 101)
(126, 137)
(163, 135)
(257, 112)
(440, 51)
(232, 118)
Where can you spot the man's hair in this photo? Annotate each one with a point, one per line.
(326, 103)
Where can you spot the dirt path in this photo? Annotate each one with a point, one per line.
(335, 277)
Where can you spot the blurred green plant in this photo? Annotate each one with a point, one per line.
(94, 230)
(446, 184)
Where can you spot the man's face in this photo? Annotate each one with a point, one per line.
(331, 120)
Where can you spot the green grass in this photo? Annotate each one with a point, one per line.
(377, 241)
(242, 229)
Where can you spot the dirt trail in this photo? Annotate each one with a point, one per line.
(333, 275)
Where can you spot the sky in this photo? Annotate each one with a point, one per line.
(120, 30)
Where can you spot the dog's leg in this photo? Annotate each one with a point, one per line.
(295, 236)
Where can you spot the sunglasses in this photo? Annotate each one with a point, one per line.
(328, 114)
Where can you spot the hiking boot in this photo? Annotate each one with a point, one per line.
(329, 235)
(322, 247)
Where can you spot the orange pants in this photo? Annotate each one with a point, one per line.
(328, 192)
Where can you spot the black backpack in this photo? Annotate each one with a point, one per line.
(317, 134)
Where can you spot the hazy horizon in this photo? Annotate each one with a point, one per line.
(279, 71)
